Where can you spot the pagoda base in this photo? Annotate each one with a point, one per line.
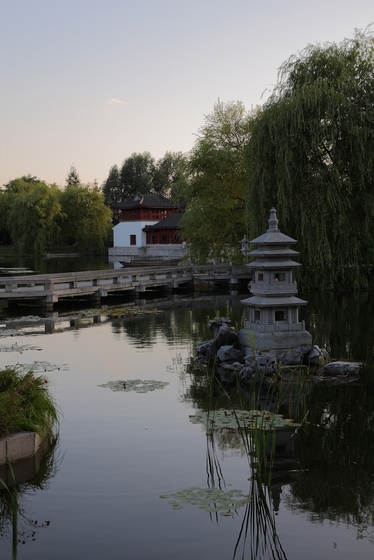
(272, 342)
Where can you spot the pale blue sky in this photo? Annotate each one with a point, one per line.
(88, 82)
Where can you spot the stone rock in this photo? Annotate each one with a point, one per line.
(215, 324)
(316, 356)
(262, 363)
(229, 353)
(225, 336)
(342, 368)
(293, 356)
(229, 372)
(202, 347)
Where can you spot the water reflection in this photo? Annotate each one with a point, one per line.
(324, 470)
(336, 457)
(342, 322)
(17, 524)
(326, 467)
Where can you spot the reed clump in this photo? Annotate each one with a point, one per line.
(26, 403)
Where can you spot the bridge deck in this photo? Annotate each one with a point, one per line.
(49, 288)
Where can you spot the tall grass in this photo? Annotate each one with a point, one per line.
(25, 403)
(286, 391)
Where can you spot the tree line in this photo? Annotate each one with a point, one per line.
(36, 216)
(308, 151)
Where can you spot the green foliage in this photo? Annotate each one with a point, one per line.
(214, 220)
(73, 177)
(136, 175)
(25, 403)
(5, 238)
(311, 156)
(171, 173)
(141, 173)
(38, 216)
(33, 213)
(86, 219)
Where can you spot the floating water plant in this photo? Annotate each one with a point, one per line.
(136, 385)
(212, 500)
(17, 347)
(232, 419)
(42, 367)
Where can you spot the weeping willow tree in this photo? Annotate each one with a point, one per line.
(311, 156)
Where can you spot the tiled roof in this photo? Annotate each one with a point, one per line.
(170, 222)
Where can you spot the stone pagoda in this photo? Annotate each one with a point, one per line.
(271, 317)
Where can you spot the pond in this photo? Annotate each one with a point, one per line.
(135, 474)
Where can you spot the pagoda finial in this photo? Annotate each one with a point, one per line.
(273, 222)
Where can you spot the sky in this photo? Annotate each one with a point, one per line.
(89, 82)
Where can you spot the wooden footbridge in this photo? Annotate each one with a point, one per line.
(47, 289)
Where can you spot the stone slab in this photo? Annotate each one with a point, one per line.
(18, 446)
(272, 341)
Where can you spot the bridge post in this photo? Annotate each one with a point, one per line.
(96, 297)
(48, 302)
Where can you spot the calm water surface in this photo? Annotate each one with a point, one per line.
(118, 452)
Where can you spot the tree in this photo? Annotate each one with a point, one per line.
(136, 175)
(214, 221)
(141, 173)
(86, 219)
(72, 177)
(312, 156)
(33, 215)
(5, 238)
(171, 173)
(111, 188)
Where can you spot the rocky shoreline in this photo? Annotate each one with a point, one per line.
(248, 365)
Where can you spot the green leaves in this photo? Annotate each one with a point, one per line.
(311, 156)
(86, 219)
(34, 211)
(214, 220)
(212, 500)
(25, 403)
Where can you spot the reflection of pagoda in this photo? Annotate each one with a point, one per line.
(272, 313)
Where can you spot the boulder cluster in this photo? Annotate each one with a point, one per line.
(233, 363)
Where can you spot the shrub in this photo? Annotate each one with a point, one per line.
(25, 403)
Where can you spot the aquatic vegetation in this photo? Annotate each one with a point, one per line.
(18, 347)
(25, 403)
(118, 312)
(232, 419)
(137, 385)
(42, 367)
(5, 333)
(212, 500)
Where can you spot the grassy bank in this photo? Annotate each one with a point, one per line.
(25, 403)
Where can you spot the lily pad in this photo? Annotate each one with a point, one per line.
(233, 419)
(17, 347)
(136, 385)
(42, 367)
(212, 500)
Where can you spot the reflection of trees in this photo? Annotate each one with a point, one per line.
(343, 322)
(176, 326)
(182, 322)
(336, 456)
(26, 526)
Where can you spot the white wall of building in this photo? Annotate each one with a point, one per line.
(123, 231)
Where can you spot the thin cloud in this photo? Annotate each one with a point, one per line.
(114, 101)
